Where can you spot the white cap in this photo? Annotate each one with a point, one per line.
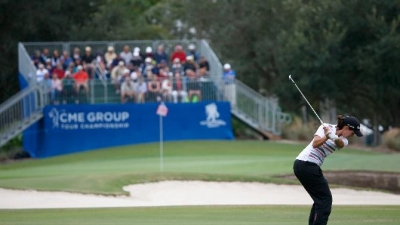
(227, 66)
(121, 63)
(177, 60)
(149, 49)
(192, 46)
(136, 49)
(189, 57)
(80, 67)
(110, 48)
(148, 59)
(135, 54)
(88, 48)
(126, 71)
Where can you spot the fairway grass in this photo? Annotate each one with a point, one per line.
(106, 171)
(201, 215)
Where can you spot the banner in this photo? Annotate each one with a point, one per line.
(74, 128)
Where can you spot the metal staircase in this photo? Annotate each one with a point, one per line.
(20, 111)
(26, 107)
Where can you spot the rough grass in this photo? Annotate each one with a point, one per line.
(391, 139)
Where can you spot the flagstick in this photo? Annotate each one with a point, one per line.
(161, 145)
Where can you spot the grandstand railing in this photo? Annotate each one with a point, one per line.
(104, 92)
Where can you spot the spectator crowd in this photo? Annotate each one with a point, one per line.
(135, 76)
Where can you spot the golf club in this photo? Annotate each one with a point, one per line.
(290, 78)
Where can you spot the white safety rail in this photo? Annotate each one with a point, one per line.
(20, 111)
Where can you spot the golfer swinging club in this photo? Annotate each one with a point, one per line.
(307, 169)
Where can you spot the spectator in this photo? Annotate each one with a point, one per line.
(204, 64)
(36, 58)
(55, 59)
(99, 66)
(149, 53)
(116, 61)
(48, 65)
(128, 89)
(126, 55)
(55, 90)
(193, 86)
(162, 70)
(58, 71)
(160, 54)
(68, 92)
(179, 93)
(116, 75)
(190, 64)
(66, 60)
(41, 72)
(81, 80)
(77, 54)
(137, 59)
(88, 59)
(192, 52)
(148, 65)
(177, 66)
(141, 89)
(229, 84)
(109, 56)
(137, 50)
(136, 74)
(166, 89)
(178, 53)
(47, 82)
(153, 89)
(44, 56)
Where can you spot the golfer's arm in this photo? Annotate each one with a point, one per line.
(339, 143)
(318, 141)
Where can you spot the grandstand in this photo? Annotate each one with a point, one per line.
(106, 70)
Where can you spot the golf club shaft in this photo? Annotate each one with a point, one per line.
(290, 77)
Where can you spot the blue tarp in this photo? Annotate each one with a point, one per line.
(73, 128)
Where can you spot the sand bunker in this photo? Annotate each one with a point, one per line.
(175, 193)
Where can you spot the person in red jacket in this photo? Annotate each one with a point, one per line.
(81, 80)
(178, 53)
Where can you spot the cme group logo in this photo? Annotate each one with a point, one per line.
(212, 120)
(61, 119)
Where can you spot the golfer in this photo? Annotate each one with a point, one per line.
(327, 140)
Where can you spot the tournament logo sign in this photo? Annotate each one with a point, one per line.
(212, 120)
(80, 120)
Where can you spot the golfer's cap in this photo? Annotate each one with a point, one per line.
(148, 60)
(191, 47)
(227, 66)
(110, 48)
(121, 63)
(353, 124)
(149, 50)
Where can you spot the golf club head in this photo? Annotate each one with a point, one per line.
(290, 78)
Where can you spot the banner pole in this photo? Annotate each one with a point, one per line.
(161, 145)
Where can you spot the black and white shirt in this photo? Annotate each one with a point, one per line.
(318, 155)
